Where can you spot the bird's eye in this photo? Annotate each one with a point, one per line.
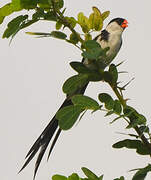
(124, 24)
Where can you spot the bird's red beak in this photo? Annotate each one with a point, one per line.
(124, 24)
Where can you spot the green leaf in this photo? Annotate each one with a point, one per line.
(79, 67)
(38, 14)
(136, 119)
(80, 17)
(107, 76)
(98, 24)
(28, 23)
(74, 176)
(128, 111)
(58, 34)
(94, 53)
(141, 119)
(59, 4)
(89, 174)
(93, 50)
(85, 102)
(117, 107)
(96, 11)
(141, 173)
(133, 144)
(104, 97)
(132, 124)
(68, 115)
(1, 19)
(44, 4)
(114, 73)
(50, 16)
(107, 99)
(101, 177)
(90, 44)
(95, 76)
(58, 25)
(72, 21)
(83, 21)
(16, 5)
(91, 20)
(16, 21)
(6, 10)
(58, 177)
(28, 4)
(105, 15)
(74, 83)
(134, 116)
(95, 19)
(14, 26)
(73, 38)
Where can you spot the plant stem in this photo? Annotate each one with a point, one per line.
(123, 102)
(65, 21)
(119, 96)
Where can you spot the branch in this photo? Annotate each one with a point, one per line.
(123, 102)
(65, 22)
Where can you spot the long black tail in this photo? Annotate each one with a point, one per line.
(46, 136)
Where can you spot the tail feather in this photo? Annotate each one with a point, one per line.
(42, 142)
(40, 156)
(44, 139)
(54, 142)
(49, 130)
(41, 137)
(29, 159)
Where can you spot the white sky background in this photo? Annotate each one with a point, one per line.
(32, 72)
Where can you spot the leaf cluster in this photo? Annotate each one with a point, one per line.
(51, 10)
(88, 173)
(68, 116)
(93, 22)
(19, 5)
(74, 176)
(139, 175)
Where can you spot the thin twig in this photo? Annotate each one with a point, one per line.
(123, 102)
(65, 21)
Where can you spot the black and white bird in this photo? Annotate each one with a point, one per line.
(110, 37)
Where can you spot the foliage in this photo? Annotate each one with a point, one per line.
(89, 176)
(54, 11)
(141, 173)
(50, 10)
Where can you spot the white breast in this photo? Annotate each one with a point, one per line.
(114, 43)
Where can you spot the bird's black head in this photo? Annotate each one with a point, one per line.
(120, 21)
